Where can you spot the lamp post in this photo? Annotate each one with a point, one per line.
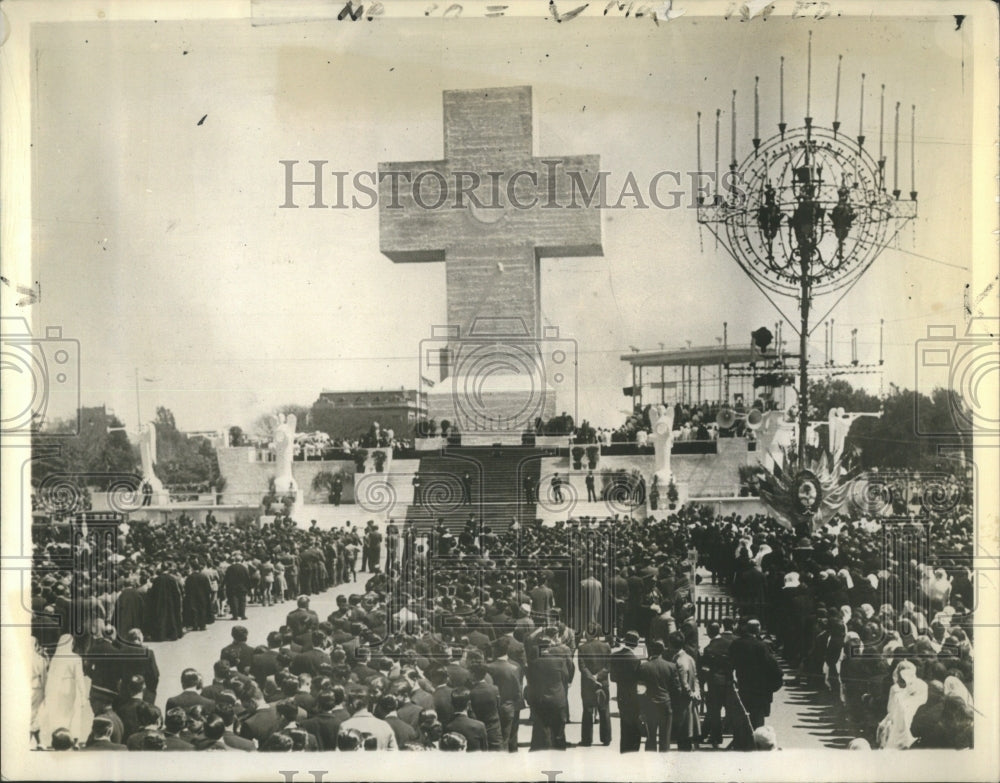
(811, 213)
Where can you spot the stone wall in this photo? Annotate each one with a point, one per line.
(247, 480)
(705, 475)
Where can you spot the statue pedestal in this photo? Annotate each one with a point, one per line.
(492, 403)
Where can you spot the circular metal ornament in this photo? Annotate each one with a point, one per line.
(851, 210)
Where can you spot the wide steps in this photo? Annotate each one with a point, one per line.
(495, 486)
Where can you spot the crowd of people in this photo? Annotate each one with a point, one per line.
(320, 445)
(453, 639)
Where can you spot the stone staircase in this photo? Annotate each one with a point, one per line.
(496, 476)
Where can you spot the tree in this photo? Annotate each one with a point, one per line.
(830, 393)
(181, 460)
(263, 426)
(237, 437)
(99, 455)
(911, 431)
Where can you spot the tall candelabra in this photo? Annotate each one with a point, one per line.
(808, 210)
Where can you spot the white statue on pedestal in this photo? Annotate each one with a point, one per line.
(147, 456)
(284, 450)
(662, 419)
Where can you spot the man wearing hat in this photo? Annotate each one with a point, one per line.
(663, 686)
(623, 667)
(758, 676)
(549, 677)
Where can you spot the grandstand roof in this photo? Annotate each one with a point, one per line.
(697, 356)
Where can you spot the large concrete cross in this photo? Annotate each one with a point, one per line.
(491, 253)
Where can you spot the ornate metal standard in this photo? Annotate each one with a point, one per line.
(807, 211)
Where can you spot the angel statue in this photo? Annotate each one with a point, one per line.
(284, 449)
(147, 456)
(662, 419)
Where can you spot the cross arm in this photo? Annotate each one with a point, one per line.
(409, 231)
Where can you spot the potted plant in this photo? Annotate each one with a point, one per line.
(578, 452)
(672, 495)
(378, 457)
(359, 459)
(593, 455)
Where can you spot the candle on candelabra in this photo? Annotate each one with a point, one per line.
(734, 129)
(913, 151)
(809, 71)
(836, 98)
(756, 108)
(718, 113)
(699, 142)
(861, 115)
(895, 154)
(781, 93)
(881, 122)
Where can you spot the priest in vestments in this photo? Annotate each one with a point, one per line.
(163, 608)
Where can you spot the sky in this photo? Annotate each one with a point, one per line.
(160, 245)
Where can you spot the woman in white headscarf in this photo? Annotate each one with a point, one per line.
(67, 695)
(39, 667)
(907, 693)
(939, 590)
(956, 688)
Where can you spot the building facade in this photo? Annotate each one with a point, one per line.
(350, 414)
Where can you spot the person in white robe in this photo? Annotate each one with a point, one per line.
(67, 695)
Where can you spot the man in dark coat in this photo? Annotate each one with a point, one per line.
(163, 608)
(758, 676)
(391, 545)
(191, 695)
(624, 671)
(128, 706)
(748, 588)
(336, 491)
(136, 659)
(485, 700)
(797, 608)
(663, 686)
(239, 653)
(197, 599)
(101, 736)
(373, 547)
(473, 730)
(300, 618)
(237, 584)
(548, 680)
(509, 678)
(129, 609)
(442, 696)
(594, 657)
(716, 672)
(265, 659)
(325, 724)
